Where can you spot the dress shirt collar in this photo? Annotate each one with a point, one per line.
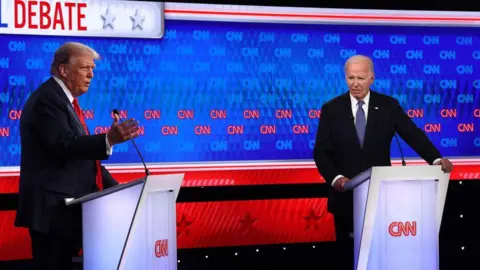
(354, 101)
(65, 89)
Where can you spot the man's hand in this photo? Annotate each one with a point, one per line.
(119, 133)
(447, 166)
(338, 186)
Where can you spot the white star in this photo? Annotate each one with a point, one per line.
(137, 20)
(108, 19)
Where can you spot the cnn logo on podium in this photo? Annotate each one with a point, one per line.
(398, 228)
(161, 248)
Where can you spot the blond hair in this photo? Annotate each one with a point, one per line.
(68, 50)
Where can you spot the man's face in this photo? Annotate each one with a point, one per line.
(78, 74)
(359, 77)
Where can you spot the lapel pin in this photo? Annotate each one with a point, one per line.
(376, 108)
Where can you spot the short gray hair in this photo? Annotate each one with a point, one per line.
(68, 50)
(360, 58)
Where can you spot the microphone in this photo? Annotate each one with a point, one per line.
(147, 172)
(400, 148)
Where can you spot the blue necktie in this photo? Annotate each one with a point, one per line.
(360, 122)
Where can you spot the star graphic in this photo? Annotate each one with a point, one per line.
(108, 19)
(182, 226)
(247, 222)
(137, 20)
(311, 220)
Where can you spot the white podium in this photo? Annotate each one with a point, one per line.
(397, 217)
(131, 226)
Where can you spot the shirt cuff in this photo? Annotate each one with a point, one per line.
(336, 178)
(436, 160)
(109, 148)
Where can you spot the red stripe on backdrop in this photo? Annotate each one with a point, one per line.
(9, 184)
(213, 224)
(239, 177)
(255, 222)
(321, 16)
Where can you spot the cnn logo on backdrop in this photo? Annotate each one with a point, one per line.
(398, 228)
(161, 248)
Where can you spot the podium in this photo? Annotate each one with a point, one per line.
(397, 217)
(132, 225)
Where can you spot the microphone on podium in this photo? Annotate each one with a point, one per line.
(400, 148)
(147, 172)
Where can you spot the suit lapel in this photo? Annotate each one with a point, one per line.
(350, 119)
(76, 120)
(372, 118)
(72, 115)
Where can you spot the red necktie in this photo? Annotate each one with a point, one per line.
(78, 110)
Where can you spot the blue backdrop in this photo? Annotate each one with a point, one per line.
(221, 91)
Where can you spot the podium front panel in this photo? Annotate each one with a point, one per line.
(151, 242)
(106, 221)
(405, 235)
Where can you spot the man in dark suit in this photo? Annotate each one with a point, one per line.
(60, 159)
(355, 133)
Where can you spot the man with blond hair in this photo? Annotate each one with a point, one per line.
(355, 133)
(60, 158)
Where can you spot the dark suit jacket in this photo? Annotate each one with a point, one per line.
(337, 149)
(57, 162)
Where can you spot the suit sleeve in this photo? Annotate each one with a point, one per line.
(323, 150)
(108, 180)
(414, 136)
(50, 124)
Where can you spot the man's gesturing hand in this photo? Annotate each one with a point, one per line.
(119, 133)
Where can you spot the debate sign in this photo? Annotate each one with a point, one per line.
(94, 18)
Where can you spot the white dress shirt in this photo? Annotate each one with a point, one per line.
(71, 98)
(354, 102)
(354, 107)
